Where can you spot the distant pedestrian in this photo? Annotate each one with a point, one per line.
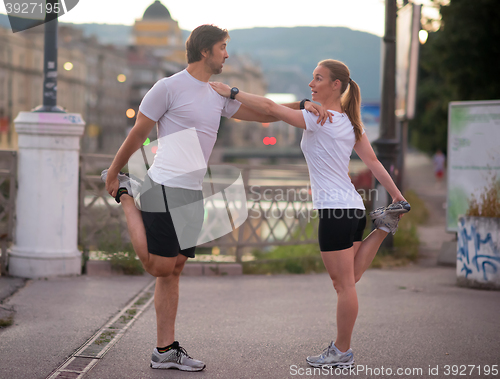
(342, 216)
(439, 161)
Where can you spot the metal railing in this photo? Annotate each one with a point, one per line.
(8, 180)
(278, 201)
(279, 210)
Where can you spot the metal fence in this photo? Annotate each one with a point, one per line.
(8, 177)
(278, 201)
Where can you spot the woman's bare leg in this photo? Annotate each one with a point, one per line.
(340, 266)
(365, 252)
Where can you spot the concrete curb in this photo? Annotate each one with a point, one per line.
(103, 268)
(213, 269)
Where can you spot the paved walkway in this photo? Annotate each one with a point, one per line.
(420, 178)
(412, 318)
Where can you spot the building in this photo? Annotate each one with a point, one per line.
(98, 76)
(88, 83)
(242, 72)
(20, 80)
(159, 52)
(106, 84)
(160, 33)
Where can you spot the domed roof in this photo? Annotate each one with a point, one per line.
(156, 11)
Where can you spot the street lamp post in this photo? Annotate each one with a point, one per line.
(387, 144)
(50, 61)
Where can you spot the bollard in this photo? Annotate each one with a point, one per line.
(45, 239)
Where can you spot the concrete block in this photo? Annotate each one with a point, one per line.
(100, 268)
(448, 254)
(210, 269)
(222, 269)
(103, 268)
(231, 269)
(193, 269)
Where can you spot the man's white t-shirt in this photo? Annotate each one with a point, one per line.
(327, 149)
(187, 112)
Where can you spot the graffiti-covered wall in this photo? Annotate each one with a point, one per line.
(478, 251)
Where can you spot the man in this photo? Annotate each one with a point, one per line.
(182, 105)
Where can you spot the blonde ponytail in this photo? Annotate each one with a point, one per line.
(351, 104)
(350, 100)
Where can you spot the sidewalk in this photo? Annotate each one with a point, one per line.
(56, 316)
(265, 326)
(435, 242)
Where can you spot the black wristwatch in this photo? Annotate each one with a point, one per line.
(303, 103)
(234, 92)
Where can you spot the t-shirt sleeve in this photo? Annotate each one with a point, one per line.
(311, 121)
(230, 108)
(156, 102)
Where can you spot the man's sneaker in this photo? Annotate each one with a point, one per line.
(177, 358)
(132, 186)
(332, 357)
(387, 218)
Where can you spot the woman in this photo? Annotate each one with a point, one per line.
(342, 218)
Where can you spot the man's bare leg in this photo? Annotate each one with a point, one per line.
(166, 302)
(136, 228)
(166, 269)
(154, 264)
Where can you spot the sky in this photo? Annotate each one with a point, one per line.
(364, 15)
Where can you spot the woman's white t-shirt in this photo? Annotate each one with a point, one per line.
(188, 113)
(327, 149)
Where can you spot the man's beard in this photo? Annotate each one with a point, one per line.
(215, 68)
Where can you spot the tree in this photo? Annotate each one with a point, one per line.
(459, 62)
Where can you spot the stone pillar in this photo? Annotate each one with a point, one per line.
(46, 233)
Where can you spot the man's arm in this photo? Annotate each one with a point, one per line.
(248, 114)
(135, 139)
(264, 106)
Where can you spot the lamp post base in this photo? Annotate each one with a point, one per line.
(49, 109)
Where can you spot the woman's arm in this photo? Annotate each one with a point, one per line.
(248, 114)
(263, 106)
(367, 155)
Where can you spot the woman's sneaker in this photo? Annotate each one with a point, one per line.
(177, 358)
(131, 186)
(332, 357)
(387, 218)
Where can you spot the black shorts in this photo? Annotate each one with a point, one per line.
(340, 228)
(168, 229)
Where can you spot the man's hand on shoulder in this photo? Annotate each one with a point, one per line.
(221, 88)
(319, 111)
